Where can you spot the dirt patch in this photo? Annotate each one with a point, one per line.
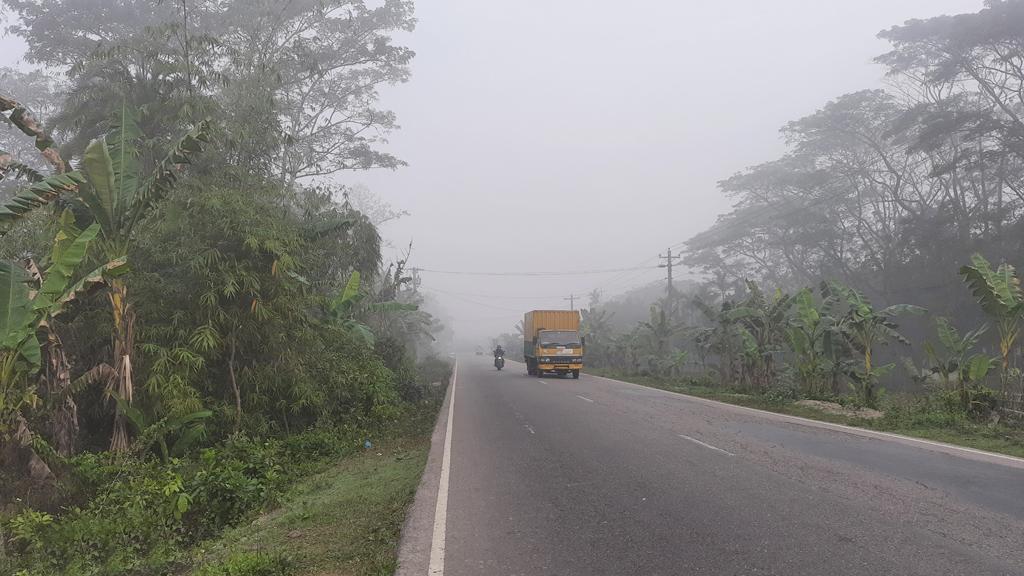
(833, 408)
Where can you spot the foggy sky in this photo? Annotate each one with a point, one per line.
(548, 135)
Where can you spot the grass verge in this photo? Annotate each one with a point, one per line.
(344, 520)
(913, 418)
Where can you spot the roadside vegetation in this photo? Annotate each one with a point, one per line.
(197, 323)
(871, 266)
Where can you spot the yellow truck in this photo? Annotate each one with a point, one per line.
(552, 342)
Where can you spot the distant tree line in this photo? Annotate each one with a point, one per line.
(888, 203)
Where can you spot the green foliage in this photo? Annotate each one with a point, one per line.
(41, 193)
(138, 514)
(342, 309)
(172, 436)
(809, 337)
(232, 482)
(962, 372)
(251, 564)
(29, 302)
(764, 319)
(258, 359)
(114, 193)
(27, 527)
(722, 338)
(999, 294)
(864, 328)
(655, 337)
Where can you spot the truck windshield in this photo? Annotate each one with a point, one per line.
(559, 338)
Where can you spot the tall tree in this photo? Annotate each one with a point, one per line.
(319, 65)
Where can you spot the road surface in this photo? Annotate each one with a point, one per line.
(593, 476)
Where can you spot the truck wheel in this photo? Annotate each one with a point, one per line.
(576, 374)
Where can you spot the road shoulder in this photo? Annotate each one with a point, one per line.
(418, 530)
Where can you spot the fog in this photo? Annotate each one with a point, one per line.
(584, 135)
(578, 135)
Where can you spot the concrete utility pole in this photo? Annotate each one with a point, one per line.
(670, 261)
(415, 279)
(572, 301)
(670, 294)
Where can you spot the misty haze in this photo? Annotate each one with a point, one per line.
(535, 288)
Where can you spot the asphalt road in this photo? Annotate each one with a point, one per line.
(560, 477)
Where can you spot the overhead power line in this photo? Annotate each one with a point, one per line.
(551, 273)
(474, 302)
(496, 296)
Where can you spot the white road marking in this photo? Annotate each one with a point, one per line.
(542, 382)
(441, 510)
(530, 428)
(706, 445)
(584, 398)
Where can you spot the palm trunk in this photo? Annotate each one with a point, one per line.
(1005, 345)
(869, 384)
(124, 340)
(57, 378)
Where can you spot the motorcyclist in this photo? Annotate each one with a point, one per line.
(499, 351)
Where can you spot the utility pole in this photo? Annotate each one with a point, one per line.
(415, 279)
(572, 301)
(670, 261)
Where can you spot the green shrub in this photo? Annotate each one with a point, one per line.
(707, 380)
(927, 412)
(230, 483)
(128, 525)
(250, 564)
(305, 452)
(782, 392)
(26, 529)
(397, 359)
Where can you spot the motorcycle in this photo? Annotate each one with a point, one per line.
(499, 362)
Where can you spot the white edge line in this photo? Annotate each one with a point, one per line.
(441, 510)
(863, 432)
(584, 398)
(706, 445)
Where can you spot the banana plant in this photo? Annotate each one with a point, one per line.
(952, 360)
(657, 334)
(117, 197)
(722, 337)
(43, 189)
(805, 335)
(864, 328)
(952, 354)
(347, 307)
(25, 120)
(999, 294)
(765, 320)
(29, 301)
(172, 436)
